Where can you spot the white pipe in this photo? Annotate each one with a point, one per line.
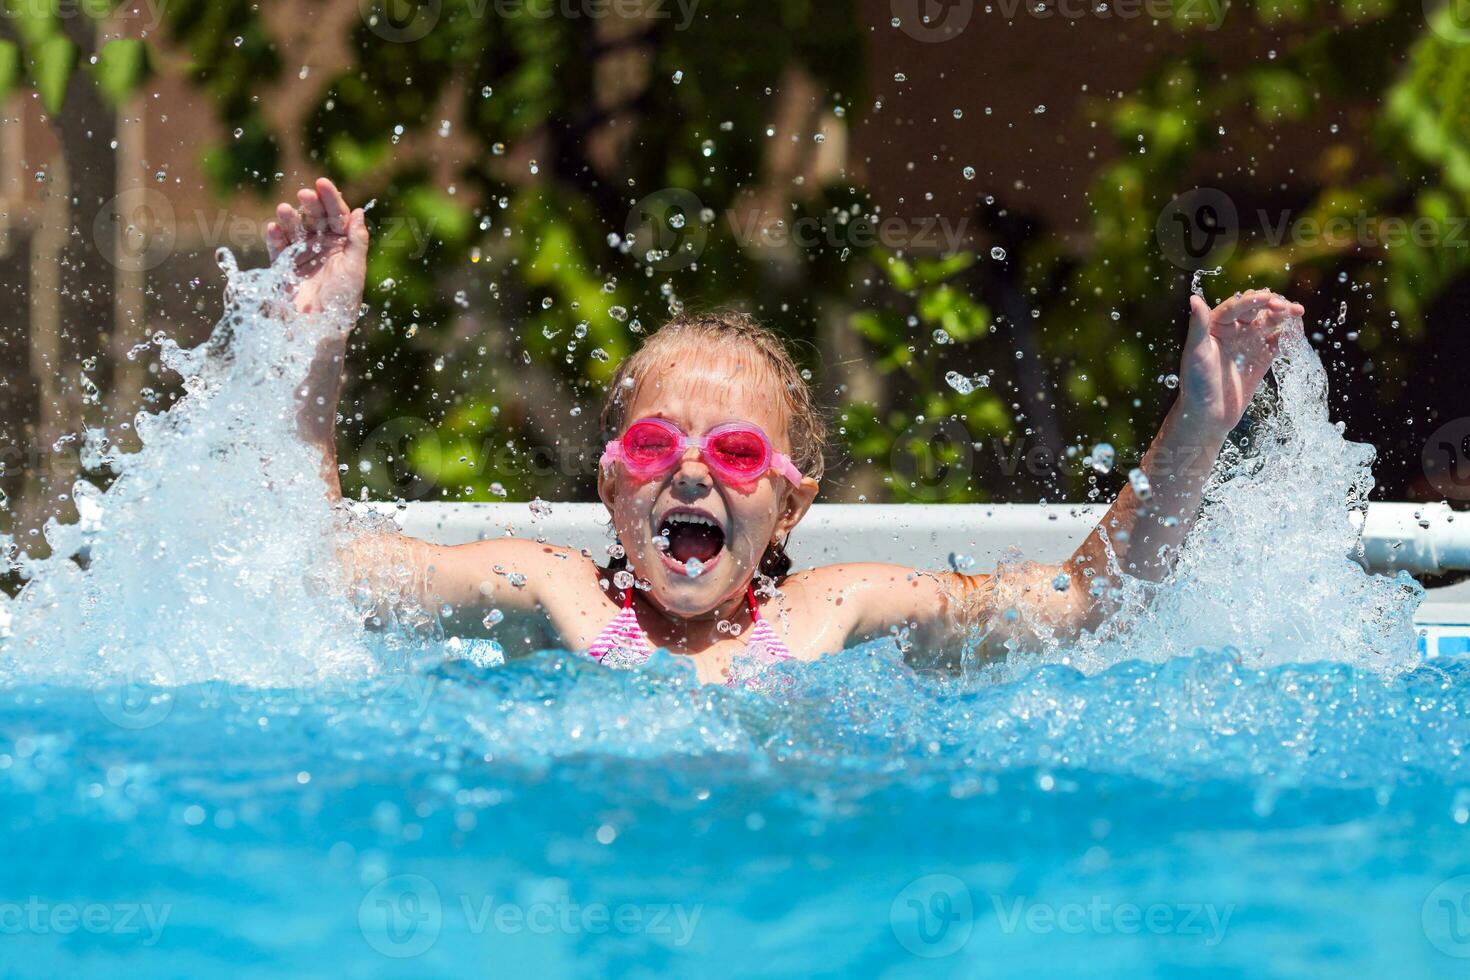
(1422, 539)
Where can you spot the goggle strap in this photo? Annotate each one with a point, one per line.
(611, 454)
(782, 464)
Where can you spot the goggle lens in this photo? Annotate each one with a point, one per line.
(646, 443)
(739, 451)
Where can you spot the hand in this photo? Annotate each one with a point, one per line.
(333, 264)
(1227, 354)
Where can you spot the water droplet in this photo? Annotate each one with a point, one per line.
(1138, 479)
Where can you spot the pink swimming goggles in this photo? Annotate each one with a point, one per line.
(736, 452)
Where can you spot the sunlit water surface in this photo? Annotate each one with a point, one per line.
(207, 764)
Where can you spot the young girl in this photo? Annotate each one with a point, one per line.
(715, 455)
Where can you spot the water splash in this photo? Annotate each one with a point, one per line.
(1266, 571)
(213, 553)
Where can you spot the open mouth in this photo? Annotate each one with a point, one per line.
(692, 534)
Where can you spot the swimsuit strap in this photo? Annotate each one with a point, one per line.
(622, 642)
(762, 634)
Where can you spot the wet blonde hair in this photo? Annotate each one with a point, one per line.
(740, 336)
(763, 356)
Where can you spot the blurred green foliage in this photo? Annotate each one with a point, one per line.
(504, 288)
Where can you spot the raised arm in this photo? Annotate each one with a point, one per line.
(330, 265)
(328, 243)
(1226, 356)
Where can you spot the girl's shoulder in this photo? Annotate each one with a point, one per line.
(857, 578)
(856, 600)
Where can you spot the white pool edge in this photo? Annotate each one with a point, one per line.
(1422, 539)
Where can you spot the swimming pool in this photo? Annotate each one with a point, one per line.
(206, 764)
(554, 815)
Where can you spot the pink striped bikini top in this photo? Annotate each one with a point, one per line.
(623, 645)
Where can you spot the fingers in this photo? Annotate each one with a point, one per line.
(1256, 307)
(1199, 320)
(311, 206)
(333, 205)
(290, 222)
(357, 229)
(1244, 306)
(275, 240)
(1199, 311)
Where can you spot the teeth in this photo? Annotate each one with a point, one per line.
(687, 518)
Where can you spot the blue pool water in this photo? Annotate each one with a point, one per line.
(1192, 815)
(208, 764)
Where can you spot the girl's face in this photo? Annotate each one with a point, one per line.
(727, 528)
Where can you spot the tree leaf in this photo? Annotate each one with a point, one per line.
(10, 72)
(122, 66)
(51, 65)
